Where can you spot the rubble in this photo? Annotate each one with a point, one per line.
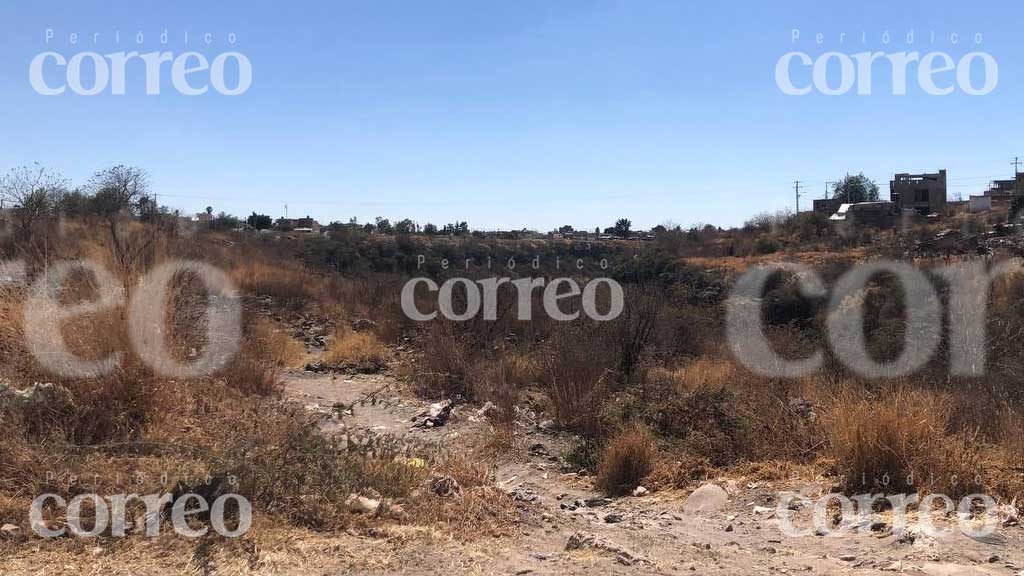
(37, 397)
(584, 540)
(444, 486)
(363, 325)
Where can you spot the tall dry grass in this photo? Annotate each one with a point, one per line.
(900, 441)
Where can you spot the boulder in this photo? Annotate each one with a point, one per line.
(707, 498)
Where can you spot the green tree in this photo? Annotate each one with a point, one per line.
(405, 226)
(384, 226)
(622, 227)
(259, 221)
(854, 189)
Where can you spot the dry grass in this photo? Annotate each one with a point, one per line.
(900, 441)
(358, 350)
(285, 283)
(705, 372)
(627, 459)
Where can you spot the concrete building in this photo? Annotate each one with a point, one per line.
(826, 205)
(876, 214)
(1002, 192)
(923, 193)
(979, 203)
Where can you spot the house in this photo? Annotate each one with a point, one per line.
(286, 224)
(307, 225)
(1001, 193)
(923, 193)
(877, 214)
(827, 205)
(979, 203)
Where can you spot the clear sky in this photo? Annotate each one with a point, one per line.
(511, 114)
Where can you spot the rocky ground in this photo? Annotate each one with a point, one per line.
(568, 528)
(563, 526)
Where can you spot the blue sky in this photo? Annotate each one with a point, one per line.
(512, 114)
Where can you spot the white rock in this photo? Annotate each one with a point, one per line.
(639, 491)
(361, 504)
(707, 498)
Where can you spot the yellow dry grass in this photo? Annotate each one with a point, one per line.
(357, 348)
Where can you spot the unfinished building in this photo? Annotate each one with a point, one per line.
(923, 193)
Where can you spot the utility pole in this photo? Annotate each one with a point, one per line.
(285, 211)
(796, 188)
(826, 188)
(1016, 166)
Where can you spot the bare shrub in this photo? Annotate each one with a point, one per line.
(575, 380)
(442, 370)
(627, 459)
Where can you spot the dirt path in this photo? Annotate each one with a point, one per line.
(648, 534)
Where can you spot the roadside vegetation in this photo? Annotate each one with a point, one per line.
(651, 398)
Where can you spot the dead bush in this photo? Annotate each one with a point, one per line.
(575, 379)
(287, 284)
(361, 351)
(442, 370)
(900, 441)
(627, 459)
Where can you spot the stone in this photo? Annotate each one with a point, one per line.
(361, 504)
(444, 486)
(363, 325)
(707, 498)
(847, 557)
(613, 518)
(585, 540)
(639, 491)
(10, 532)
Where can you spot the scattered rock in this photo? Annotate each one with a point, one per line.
(597, 502)
(363, 325)
(639, 491)
(582, 540)
(707, 498)
(444, 486)
(847, 557)
(729, 528)
(436, 416)
(487, 409)
(538, 449)
(10, 532)
(524, 494)
(613, 518)
(37, 398)
(361, 504)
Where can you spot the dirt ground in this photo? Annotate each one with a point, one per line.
(645, 534)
